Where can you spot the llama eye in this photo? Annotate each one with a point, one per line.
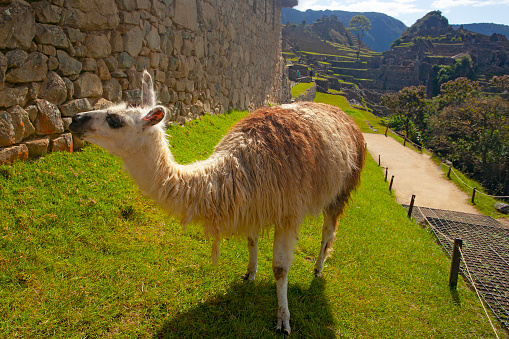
(114, 121)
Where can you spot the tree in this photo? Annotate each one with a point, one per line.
(409, 105)
(501, 82)
(455, 92)
(474, 134)
(359, 24)
(462, 67)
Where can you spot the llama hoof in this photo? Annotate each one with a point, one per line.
(318, 273)
(282, 328)
(249, 276)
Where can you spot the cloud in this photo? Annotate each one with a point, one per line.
(446, 4)
(391, 7)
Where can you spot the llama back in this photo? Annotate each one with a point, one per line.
(289, 161)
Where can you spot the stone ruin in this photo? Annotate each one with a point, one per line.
(61, 57)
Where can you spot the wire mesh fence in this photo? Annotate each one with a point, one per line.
(485, 250)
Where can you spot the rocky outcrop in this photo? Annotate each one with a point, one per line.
(62, 57)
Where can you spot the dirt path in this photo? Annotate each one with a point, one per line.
(415, 173)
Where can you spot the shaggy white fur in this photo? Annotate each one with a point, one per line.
(271, 169)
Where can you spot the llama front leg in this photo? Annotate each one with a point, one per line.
(284, 239)
(252, 266)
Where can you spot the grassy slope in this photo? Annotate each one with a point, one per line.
(301, 88)
(82, 253)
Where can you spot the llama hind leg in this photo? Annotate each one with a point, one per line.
(252, 266)
(330, 222)
(284, 239)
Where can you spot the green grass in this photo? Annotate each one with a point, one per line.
(301, 88)
(84, 254)
(361, 117)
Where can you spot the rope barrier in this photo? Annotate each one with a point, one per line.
(478, 294)
(464, 183)
(466, 268)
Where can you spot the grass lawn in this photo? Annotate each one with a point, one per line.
(301, 88)
(83, 254)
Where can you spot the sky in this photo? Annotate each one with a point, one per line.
(409, 11)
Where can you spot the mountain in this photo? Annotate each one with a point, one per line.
(486, 28)
(384, 29)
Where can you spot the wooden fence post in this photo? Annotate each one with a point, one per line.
(411, 207)
(379, 160)
(455, 263)
(386, 129)
(473, 195)
(449, 172)
(390, 185)
(386, 172)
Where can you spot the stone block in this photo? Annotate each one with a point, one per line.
(88, 85)
(153, 39)
(75, 106)
(129, 17)
(75, 35)
(67, 121)
(186, 14)
(11, 96)
(502, 208)
(133, 41)
(18, 25)
(53, 63)
(37, 147)
(91, 15)
(126, 5)
(64, 143)
(88, 65)
(48, 120)
(102, 104)
(111, 62)
(34, 68)
(125, 60)
(77, 143)
(46, 13)
(102, 70)
(112, 90)
(51, 35)
(32, 112)
(16, 57)
(53, 89)
(70, 88)
(116, 42)
(9, 155)
(142, 63)
(49, 50)
(209, 17)
(132, 96)
(98, 46)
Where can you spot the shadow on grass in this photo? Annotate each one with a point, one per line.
(249, 310)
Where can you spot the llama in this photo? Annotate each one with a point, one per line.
(273, 167)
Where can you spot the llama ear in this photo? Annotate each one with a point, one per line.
(148, 97)
(155, 116)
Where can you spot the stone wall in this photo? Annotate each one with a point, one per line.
(61, 57)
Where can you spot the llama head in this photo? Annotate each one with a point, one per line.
(121, 129)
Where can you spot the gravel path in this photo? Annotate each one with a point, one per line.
(415, 173)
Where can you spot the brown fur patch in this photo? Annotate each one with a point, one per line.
(279, 272)
(285, 136)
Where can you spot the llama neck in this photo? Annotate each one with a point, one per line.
(181, 189)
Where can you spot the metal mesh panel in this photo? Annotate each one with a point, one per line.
(485, 250)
